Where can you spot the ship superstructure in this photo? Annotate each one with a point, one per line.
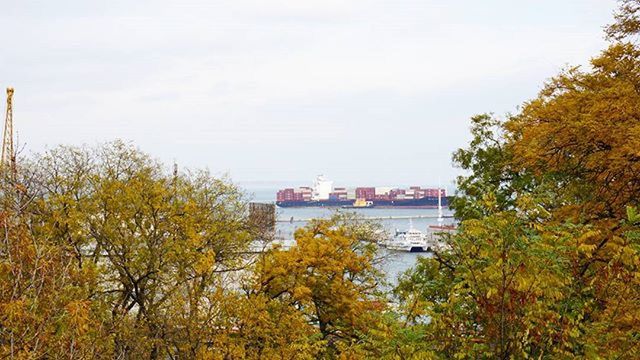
(324, 194)
(321, 188)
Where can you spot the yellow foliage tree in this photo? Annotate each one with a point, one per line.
(45, 309)
(329, 278)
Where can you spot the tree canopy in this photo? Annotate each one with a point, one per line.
(106, 254)
(546, 260)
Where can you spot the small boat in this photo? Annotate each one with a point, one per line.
(359, 204)
(411, 240)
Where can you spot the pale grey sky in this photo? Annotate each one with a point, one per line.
(366, 92)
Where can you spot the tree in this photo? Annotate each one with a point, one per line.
(255, 326)
(497, 292)
(108, 255)
(158, 247)
(582, 137)
(545, 262)
(582, 134)
(330, 279)
(45, 309)
(488, 162)
(627, 21)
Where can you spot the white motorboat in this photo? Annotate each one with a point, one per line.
(411, 240)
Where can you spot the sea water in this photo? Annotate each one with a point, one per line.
(393, 263)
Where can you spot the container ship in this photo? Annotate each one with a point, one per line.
(323, 194)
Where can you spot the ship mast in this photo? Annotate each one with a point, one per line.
(8, 160)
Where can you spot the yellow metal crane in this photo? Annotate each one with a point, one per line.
(8, 160)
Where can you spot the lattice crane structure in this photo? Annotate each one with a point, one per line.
(8, 160)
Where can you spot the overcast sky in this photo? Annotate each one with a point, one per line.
(365, 92)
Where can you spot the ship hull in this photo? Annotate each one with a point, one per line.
(422, 203)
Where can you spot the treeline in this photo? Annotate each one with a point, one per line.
(105, 254)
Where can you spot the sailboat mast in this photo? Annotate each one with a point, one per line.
(440, 218)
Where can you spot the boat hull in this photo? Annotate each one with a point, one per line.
(422, 203)
(408, 248)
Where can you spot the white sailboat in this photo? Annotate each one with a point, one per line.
(440, 219)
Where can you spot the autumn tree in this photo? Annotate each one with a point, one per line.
(254, 325)
(156, 249)
(45, 305)
(107, 254)
(545, 262)
(582, 137)
(330, 279)
(627, 22)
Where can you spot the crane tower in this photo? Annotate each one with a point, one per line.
(8, 160)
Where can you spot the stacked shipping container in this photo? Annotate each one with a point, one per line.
(338, 194)
(365, 193)
(290, 194)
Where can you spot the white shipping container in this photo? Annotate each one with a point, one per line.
(351, 194)
(383, 190)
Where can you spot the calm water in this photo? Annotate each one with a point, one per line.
(394, 264)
